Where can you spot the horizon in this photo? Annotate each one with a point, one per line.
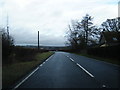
(51, 18)
(39, 45)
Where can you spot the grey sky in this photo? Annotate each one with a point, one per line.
(51, 17)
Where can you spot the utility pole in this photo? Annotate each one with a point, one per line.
(38, 40)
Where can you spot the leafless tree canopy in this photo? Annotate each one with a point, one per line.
(111, 24)
(83, 33)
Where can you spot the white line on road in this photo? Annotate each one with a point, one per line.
(40, 64)
(29, 75)
(71, 59)
(46, 60)
(68, 56)
(26, 78)
(49, 57)
(85, 70)
(82, 68)
(103, 86)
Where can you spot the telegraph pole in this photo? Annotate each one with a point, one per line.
(38, 40)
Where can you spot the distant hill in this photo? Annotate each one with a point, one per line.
(48, 47)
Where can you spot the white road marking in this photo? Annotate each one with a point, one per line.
(29, 75)
(26, 78)
(50, 57)
(82, 68)
(68, 56)
(40, 64)
(85, 70)
(103, 86)
(71, 59)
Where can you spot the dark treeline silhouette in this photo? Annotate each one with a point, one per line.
(106, 52)
(7, 45)
(83, 34)
(22, 54)
(111, 25)
(12, 54)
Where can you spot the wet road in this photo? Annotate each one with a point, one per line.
(65, 70)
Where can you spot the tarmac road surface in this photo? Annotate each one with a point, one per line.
(66, 70)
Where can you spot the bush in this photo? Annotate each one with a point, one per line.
(24, 54)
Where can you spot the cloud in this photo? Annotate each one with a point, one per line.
(51, 17)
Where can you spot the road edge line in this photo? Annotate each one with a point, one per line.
(29, 75)
(25, 78)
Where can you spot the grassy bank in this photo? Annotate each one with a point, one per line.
(110, 60)
(13, 72)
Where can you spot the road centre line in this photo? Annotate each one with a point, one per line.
(25, 78)
(68, 56)
(82, 68)
(29, 75)
(103, 86)
(71, 59)
(40, 64)
(85, 70)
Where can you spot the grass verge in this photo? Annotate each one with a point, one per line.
(110, 60)
(13, 72)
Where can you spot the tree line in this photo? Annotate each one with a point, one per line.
(7, 44)
(12, 54)
(83, 33)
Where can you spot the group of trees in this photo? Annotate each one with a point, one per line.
(82, 34)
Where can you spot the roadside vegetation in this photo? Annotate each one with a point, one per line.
(17, 61)
(109, 60)
(13, 72)
(100, 42)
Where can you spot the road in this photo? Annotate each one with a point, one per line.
(65, 70)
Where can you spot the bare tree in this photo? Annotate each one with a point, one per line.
(111, 24)
(81, 33)
(90, 31)
(73, 36)
(86, 25)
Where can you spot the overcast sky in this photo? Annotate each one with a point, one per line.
(51, 17)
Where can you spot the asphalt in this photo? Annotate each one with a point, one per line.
(65, 70)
